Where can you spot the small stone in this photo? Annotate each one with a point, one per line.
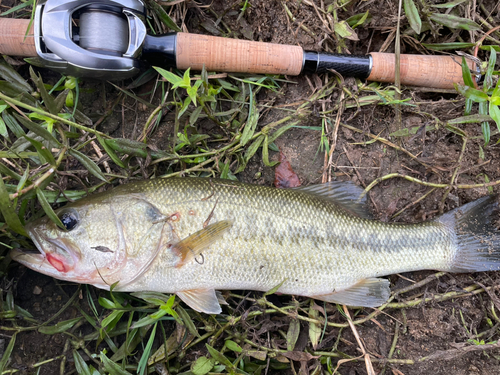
(37, 290)
(18, 359)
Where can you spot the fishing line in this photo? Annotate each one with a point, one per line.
(104, 31)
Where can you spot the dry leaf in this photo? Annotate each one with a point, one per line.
(284, 176)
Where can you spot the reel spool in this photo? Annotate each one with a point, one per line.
(103, 31)
(106, 43)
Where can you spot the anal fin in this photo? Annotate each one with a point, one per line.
(201, 300)
(370, 292)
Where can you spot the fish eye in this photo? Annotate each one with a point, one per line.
(69, 219)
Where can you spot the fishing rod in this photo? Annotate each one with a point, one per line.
(107, 39)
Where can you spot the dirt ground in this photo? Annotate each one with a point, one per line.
(454, 336)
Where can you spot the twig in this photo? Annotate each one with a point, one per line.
(33, 185)
(292, 17)
(397, 73)
(100, 155)
(454, 176)
(438, 355)
(149, 121)
(335, 130)
(480, 41)
(431, 184)
(393, 346)
(414, 202)
(368, 363)
(359, 177)
(290, 310)
(388, 143)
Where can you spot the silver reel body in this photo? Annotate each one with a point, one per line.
(90, 38)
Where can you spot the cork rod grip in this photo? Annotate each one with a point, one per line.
(239, 56)
(12, 38)
(418, 70)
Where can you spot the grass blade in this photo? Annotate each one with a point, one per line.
(81, 367)
(253, 119)
(17, 7)
(265, 153)
(413, 15)
(292, 334)
(448, 46)
(219, 357)
(48, 209)
(38, 130)
(469, 119)
(7, 353)
(59, 327)
(488, 77)
(202, 366)
(48, 100)
(89, 164)
(12, 124)
(112, 367)
(188, 322)
(45, 155)
(495, 114)
(8, 211)
(110, 152)
(160, 12)
(10, 75)
(454, 22)
(451, 4)
(143, 363)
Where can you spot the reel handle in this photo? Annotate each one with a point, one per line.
(13, 38)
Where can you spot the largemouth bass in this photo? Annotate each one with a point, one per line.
(193, 236)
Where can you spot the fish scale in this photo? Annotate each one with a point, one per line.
(192, 236)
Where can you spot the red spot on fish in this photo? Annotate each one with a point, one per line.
(174, 217)
(57, 263)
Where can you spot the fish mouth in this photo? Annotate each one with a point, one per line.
(27, 257)
(53, 256)
(31, 258)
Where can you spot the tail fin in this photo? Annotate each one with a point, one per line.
(476, 234)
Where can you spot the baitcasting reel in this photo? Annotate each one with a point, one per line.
(91, 38)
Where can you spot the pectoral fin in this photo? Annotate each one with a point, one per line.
(367, 293)
(192, 246)
(201, 300)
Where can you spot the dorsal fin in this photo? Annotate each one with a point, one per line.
(344, 194)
